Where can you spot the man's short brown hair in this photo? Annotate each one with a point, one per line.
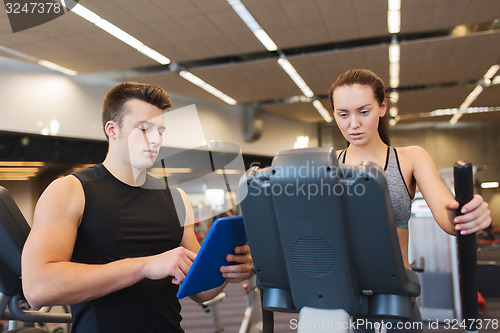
(113, 105)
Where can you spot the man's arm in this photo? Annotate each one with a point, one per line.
(49, 278)
(232, 273)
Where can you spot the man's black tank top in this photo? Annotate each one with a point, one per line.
(121, 221)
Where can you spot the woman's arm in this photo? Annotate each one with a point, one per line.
(476, 215)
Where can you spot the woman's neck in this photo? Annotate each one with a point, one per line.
(372, 151)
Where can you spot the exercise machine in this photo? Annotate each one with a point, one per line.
(317, 232)
(13, 233)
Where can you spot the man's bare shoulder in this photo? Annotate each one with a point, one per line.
(63, 196)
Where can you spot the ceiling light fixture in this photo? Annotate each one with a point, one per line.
(394, 75)
(269, 44)
(56, 67)
(394, 16)
(12, 178)
(491, 72)
(394, 96)
(449, 112)
(394, 58)
(252, 24)
(489, 185)
(322, 111)
(394, 52)
(301, 142)
(41, 62)
(116, 32)
(478, 89)
(292, 72)
(21, 164)
(19, 170)
(207, 87)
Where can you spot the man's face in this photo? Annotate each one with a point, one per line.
(140, 135)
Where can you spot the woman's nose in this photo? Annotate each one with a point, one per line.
(354, 122)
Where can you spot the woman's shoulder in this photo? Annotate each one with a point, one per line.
(409, 150)
(413, 153)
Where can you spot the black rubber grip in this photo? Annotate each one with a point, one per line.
(467, 258)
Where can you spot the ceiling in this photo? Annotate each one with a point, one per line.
(321, 38)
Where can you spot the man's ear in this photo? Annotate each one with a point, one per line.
(111, 129)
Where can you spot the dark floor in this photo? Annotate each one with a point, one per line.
(232, 308)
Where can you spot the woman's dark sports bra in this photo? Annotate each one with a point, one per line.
(398, 191)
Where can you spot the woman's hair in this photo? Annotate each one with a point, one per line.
(113, 106)
(365, 77)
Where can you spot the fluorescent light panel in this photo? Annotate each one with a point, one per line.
(322, 111)
(449, 112)
(264, 38)
(19, 170)
(394, 21)
(301, 142)
(475, 93)
(394, 96)
(394, 5)
(21, 164)
(290, 70)
(394, 53)
(17, 174)
(229, 172)
(118, 33)
(171, 170)
(56, 67)
(394, 16)
(244, 14)
(492, 71)
(207, 87)
(19, 178)
(252, 24)
(394, 75)
(489, 185)
(393, 111)
(41, 62)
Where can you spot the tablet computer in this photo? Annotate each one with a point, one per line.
(226, 234)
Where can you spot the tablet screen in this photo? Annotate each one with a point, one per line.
(226, 234)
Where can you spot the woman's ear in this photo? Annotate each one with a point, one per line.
(111, 129)
(383, 108)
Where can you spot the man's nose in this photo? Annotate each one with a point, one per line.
(154, 138)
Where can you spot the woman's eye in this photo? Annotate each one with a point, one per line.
(364, 112)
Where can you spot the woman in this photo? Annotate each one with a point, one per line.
(359, 106)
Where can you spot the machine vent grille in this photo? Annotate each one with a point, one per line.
(314, 256)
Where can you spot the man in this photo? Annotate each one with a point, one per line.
(108, 239)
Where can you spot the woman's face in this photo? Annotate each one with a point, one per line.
(357, 113)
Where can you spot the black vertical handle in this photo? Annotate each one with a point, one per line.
(464, 192)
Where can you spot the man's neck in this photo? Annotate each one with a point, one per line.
(124, 172)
